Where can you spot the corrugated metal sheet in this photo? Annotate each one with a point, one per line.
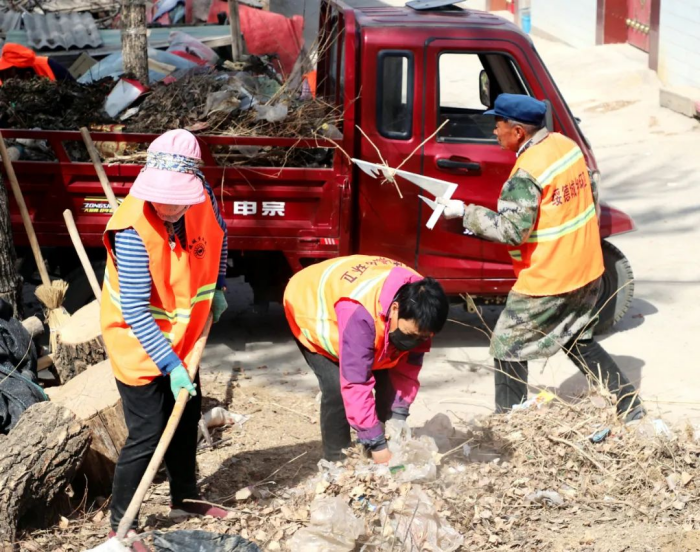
(53, 31)
(9, 21)
(158, 37)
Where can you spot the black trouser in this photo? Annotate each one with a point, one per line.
(335, 429)
(588, 356)
(146, 411)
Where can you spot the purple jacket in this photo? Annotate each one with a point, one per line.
(357, 335)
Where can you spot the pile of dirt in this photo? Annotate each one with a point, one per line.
(52, 105)
(532, 480)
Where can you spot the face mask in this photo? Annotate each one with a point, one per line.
(404, 342)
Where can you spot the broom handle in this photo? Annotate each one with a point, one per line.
(157, 458)
(28, 227)
(82, 255)
(99, 169)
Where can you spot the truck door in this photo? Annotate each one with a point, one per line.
(464, 78)
(388, 223)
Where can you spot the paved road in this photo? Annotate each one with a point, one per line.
(650, 165)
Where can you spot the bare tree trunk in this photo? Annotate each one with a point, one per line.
(236, 37)
(38, 459)
(135, 39)
(10, 280)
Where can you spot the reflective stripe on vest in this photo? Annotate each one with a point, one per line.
(311, 296)
(563, 251)
(183, 285)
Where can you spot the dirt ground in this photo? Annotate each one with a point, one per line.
(624, 494)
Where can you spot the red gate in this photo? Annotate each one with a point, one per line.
(638, 22)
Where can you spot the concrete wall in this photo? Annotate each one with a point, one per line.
(571, 21)
(679, 43)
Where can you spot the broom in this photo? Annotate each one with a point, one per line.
(51, 294)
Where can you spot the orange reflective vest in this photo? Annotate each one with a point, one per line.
(311, 296)
(184, 281)
(43, 69)
(16, 55)
(563, 252)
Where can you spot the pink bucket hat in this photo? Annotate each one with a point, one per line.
(171, 174)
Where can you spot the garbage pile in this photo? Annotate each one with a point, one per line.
(191, 88)
(515, 481)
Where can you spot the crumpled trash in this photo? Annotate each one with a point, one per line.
(542, 398)
(219, 416)
(224, 101)
(651, 428)
(122, 96)
(414, 521)
(439, 427)
(271, 113)
(182, 42)
(332, 528)
(552, 498)
(417, 457)
(201, 541)
(395, 429)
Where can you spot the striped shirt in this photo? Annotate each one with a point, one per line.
(135, 287)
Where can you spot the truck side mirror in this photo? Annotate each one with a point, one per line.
(484, 89)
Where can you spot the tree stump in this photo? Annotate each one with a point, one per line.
(38, 459)
(10, 280)
(93, 397)
(79, 344)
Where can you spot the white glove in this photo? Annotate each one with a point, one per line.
(454, 208)
(397, 430)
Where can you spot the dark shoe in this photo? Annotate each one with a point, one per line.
(202, 509)
(635, 414)
(136, 546)
(511, 384)
(596, 363)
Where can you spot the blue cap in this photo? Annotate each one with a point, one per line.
(520, 108)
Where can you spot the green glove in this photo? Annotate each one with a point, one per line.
(180, 379)
(219, 304)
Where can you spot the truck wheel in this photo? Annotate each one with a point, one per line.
(617, 288)
(79, 291)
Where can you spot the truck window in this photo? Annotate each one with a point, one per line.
(395, 94)
(468, 85)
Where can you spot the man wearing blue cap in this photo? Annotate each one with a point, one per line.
(547, 216)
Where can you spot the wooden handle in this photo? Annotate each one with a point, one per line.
(82, 255)
(99, 169)
(28, 227)
(157, 458)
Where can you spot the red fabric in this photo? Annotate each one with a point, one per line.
(267, 33)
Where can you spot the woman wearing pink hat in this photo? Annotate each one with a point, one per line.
(166, 268)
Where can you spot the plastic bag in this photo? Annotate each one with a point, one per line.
(416, 524)
(439, 427)
(219, 416)
(552, 498)
(332, 528)
(182, 42)
(272, 113)
(416, 457)
(201, 541)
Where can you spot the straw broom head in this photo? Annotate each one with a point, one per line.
(52, 298)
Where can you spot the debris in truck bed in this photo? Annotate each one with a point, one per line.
(51, 105)
(222, 103)
(203, 100)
